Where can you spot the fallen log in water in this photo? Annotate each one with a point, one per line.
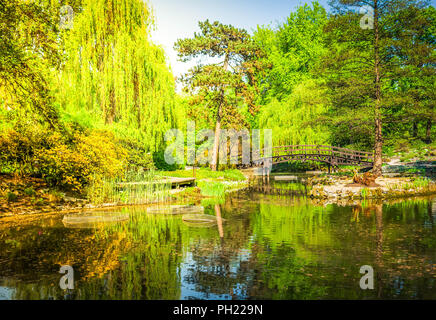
(175, 209)
(93, 219)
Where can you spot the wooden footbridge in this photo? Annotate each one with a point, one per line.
(332, 156)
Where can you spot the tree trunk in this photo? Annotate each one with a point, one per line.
(428, 131)
(415, 129)
(215, 152)
(378, 143)
(214, 165)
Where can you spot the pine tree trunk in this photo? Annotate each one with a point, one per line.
(215, 152)
(428, 131)
(378, 143)
(415, 129)
(214, 165)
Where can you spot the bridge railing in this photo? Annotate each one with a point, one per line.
(321, 150)
(340, 155)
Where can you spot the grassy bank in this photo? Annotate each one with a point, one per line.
(209, 184)
(25, 195)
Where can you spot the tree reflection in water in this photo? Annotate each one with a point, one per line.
(262, 246)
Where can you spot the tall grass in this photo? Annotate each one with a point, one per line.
(421, 182)
(364, 193)
(212, 188)
(139, 187)
(417, 183)
(206, 173)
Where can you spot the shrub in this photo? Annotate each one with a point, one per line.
(138, 158)
(11, 197)
(29, 192)
(68, 161)
(91, 156)
(402, 145)
(161, 164)
(17, 148)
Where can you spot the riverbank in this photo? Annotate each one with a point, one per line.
(401, 179)
(25, 196)
(337, 188)
(22, 196)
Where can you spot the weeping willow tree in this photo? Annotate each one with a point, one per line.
(114, 76)
(293, 119)
(293, 93)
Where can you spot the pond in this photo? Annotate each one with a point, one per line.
(267, 246)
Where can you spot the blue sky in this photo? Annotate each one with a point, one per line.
(179, 19)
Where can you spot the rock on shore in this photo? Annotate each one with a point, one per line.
(388, 188)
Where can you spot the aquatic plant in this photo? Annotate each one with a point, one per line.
(364, 193)
(139, 187)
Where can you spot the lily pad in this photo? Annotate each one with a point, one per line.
(200, 224)
(175, 209)
(200, 219)
(93, 220)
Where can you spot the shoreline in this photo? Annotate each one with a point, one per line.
(388, 188)
(325, 189)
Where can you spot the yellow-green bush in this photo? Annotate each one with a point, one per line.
(17, 149)
(73, 164)
(90, 157)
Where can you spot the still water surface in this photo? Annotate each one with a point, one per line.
(268, 247)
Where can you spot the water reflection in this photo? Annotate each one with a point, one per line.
(268, 247)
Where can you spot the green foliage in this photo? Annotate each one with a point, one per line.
(29, 192)
(292, 119)
(294, 97)
(421, 182)
(293, 49)
(91, 157)
(212, 189)
(11, 197)
(25, 63)
(356, 61)
(161, 164)
(363, 193)
(225, 91)
(114, 77)
(84, 105)
(103, 86)
(414, 97)
(71, 164)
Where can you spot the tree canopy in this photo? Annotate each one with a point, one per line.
(227, 87)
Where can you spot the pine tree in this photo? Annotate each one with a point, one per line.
(361, 58)
(228, 83)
